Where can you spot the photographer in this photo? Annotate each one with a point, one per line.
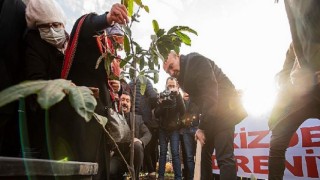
(169, 111)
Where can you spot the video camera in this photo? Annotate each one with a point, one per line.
(168, 97)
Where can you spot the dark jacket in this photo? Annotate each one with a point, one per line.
(43, 61)
(72, 137)
(170, 116)
(212, 91)
(146, 102)
(141, 132)
(12, 28)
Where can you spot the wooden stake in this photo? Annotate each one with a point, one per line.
(197, 168)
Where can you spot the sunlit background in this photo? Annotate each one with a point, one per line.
(248, 39)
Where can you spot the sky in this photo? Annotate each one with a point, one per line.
(247, 39)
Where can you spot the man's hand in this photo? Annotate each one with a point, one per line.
(118, 14)
(137, 140)
(200, 136)
(115, 84)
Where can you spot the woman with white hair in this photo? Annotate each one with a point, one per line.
(46, 41)
(70, 136)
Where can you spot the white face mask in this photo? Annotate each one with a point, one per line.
(54, 36)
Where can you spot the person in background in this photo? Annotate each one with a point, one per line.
(190, 122)
(295, 104)
(46, 40)
(71, 136)
(169, 111)
(12, 46)
(145, 104)
(219, 104)
(141, 139)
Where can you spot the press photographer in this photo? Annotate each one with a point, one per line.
(169, 112)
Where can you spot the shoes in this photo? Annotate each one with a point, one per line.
(152, 176)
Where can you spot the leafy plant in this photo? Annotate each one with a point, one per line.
(144, 63)
(50, 92)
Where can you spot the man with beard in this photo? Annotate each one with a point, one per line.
(220, 107)
(141, 139)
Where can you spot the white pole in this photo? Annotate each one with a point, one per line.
(197, 168)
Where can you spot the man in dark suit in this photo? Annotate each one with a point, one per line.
(141, 139)
(220, 107)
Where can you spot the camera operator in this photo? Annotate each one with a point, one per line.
(169, 111)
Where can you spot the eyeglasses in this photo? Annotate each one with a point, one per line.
(47, 26)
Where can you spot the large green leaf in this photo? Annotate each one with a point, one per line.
(182, 28)
(185, 39)
(53, 92)
(20, 91)
(82, 100)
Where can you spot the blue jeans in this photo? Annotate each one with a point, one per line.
(189, 149)
(164, 137)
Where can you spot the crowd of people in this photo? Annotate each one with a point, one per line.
(199, 103)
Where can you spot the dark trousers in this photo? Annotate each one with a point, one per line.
(222, 143)
(282, 134)
(118, 166)
(151, 151)
(188, 149)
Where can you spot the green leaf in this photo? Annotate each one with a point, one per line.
(127, 30)
(82, 100)
(138, 47)
(21, 90)
(155, 26)
(146, 8)
(126, 45)
(100, 60)
(161, 32)
(101, 119)
(143, 83)
(159, 55)
(125, 61)
(152, 71)
(139, 3)
(130, 8)
(141, 63)
(182, 28)
(156, 78)
(185, 39)
(131, 73)
(53, 92)
(150, 64)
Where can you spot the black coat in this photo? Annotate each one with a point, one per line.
(212, 91)
(146, 102)
(12, 28)
(71, 136)
(43, 61)
(141, 132)
(169, 115)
